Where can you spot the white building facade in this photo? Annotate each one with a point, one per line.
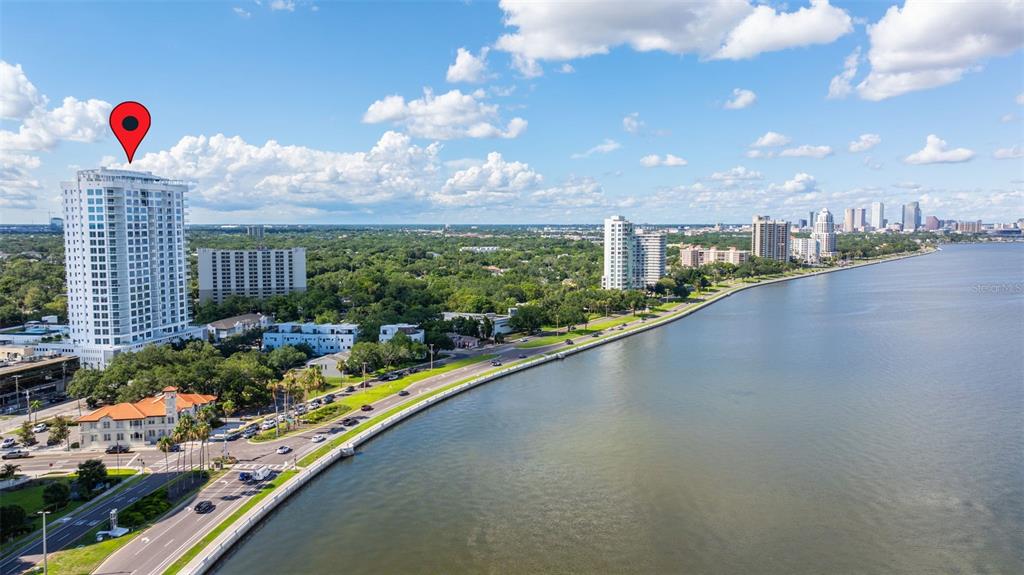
(127, 276)
(806, 250)
(825, 234)
(878, 215)
(323, 338)
(258, 273)
(389, 331)
(633, 258)
(696, 256)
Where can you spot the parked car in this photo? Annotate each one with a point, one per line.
(315, 404)
(118, 448)
(269, 424)
(8, 443)
(366, 408)
(319, 438)
(204, 506)
(300, 409)
(350, 389)
(16, 454)
(40, 428)
(249, 432)
(284, 449)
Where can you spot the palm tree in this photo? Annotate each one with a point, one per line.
(165, 444)
(187, 425)
(275, 386)
(35, 405)
(202, 433)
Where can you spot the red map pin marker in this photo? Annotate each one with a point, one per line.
(130, 122)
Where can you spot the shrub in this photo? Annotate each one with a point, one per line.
(12, 522)
(146, 509)
(56, 495)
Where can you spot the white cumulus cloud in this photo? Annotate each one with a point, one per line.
(806, 151)
(925, 44)
(494, 181)
(841, 84)
(468, 68)
(767, 30)
(18, 96)
(668, 161)
(286, 5)
(737, 174)
(632, 123)
(865, 142)
(937, 151)
(740, 99)
(445, 117)
(1010, 153)
(771, 140)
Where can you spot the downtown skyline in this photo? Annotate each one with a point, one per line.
(301, 112)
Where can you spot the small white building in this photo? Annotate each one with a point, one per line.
(500, 322)
(323, 338)
(237, 325)
(807, 250)
(389, 331)
(141, 423)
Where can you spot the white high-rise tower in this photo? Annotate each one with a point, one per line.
(878, 215)
(825, 234)
(633, 258)
(127, 277)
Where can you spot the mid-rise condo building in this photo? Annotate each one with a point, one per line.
(825, 234)
(633, 258)
(323, 338)
(258, 273)
(770, 238)
(695, 256)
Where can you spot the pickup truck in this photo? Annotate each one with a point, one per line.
(16, 454)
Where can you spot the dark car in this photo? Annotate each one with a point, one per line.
(350, 421)
(329, 398)
(118, 448)
(366, 408)
(568, 342)
(403, 393)
(350, 389)
(204, 507)
(174, 448)
(245, 476)
(522, 356)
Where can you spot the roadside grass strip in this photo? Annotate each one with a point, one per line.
(544, 340)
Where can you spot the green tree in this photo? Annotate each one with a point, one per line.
(91, 473)
(8, 471)
(56, 495)
(25, 433)
(364, 353)
(285, 357)
(60, 430)
(165, 444)
(12, 522)
(528, 318)
(35, 405)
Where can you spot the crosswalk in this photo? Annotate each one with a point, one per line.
(254, 466)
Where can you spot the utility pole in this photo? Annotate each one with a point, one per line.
(363, 385)
(46, 566)
(28, 405)
(431, 357)
(17, 392)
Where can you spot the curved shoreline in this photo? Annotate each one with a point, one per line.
(228, 538)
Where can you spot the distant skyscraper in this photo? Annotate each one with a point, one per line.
(255, 232)
(812, 217)
(56, 224)
(878, 215)
(770, 238)
(858, 219)
(127, 276)
(801, 223)
(825, 234)
(633, 258)
(911, 217)
(848, 220)
(931, 223)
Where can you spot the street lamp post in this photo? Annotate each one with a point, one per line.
(28, 405)
(431, 357)
(46, 566)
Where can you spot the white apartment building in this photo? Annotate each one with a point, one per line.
(141, 423)
(770, 238)
(696, 256)
(389, 331)
(258, 273)
(825, 234)
(633, 258)
(323, 338)
(499, 321)
(127, 277)
(806, 250)
(878, 215)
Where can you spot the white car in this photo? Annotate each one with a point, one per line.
(319, 438)
(314, 404)
(8, 443)
(269, 424)
(284, 449)
(40, 427)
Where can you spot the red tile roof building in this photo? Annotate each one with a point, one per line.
(140, 423)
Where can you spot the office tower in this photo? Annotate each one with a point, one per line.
(770, 238)
(801, 223)
(633, 259)
(56, 224)
(650, 257)
(825, 234)
(255, 232)
(813, 216)
(858, 219)
(911, 217)
(258, 273)
(848, 220)
(127, 277)
(878, 215)
(931, 223)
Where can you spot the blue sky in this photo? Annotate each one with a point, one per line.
(537, 131)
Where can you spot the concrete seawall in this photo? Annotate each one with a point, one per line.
(235, 532)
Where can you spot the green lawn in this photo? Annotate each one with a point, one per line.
(87, 557)
(581, 332)
(31, 498)
(380, 390)
(202, 543)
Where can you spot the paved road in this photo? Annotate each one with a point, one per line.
(69, 408)
(68, 529)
